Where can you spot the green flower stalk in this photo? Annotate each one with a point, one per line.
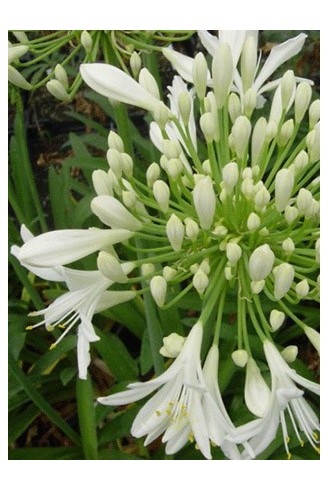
(234, 212)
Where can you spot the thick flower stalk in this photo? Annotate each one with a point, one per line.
(235, 213)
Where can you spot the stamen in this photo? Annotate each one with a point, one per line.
(284, 432)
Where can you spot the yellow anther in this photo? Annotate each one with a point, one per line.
(158, 413)
(169, 412)
(61, 326)
(50, 328)
(197, 447)
(191, 437)
(289, 456)
(30, 327)
(184, 413)
(171, 404)
(288, 439)
(183, 407)
(302, 443)
(315, 435)
(213, 444)
(318, 450)
(52, 346)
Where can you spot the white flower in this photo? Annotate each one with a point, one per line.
(112, 213)
(285, 395)
(183, 408)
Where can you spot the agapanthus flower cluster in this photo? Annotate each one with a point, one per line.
(231, 206)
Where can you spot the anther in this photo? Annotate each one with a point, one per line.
(52, 346)
(289, 456)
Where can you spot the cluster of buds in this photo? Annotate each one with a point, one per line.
(234, 215)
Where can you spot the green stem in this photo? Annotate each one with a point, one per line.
(87, 420)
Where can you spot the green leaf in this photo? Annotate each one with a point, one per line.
(48, 360)
(66, 375)
(41, 453)
(146, 359)
(119, 426)
(20, 420)
(115, 454)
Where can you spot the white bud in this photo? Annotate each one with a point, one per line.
(110, 267)
(233, 252)
(288, 86)
(57, 89)
(255, 170)
(200, 74)
(152, 173)
(208, 125)
(172, 345)
(248, 62)
(175, 232)
(127, 164)
(207, 167)
(234, 107)
(148, 82)
(162, 194)
(86, 41)
(169, 273)
(194, 268)
(302, 100)
(112, 213)
(147, 269)
(283, 279)
(284, 184)
(220, 230)
(161, 114)
(200, 281)
(184, 104)
(290, 353)
(314, 337)
(247, 173)
(257, 393)
(271, 131)
(223, 195)
(204, 201)
(277, 318)
(257, 286)
(286, 132)
(253, 222)
(258, 139)
(261, 262)
(288, 246)
(102, 183)
(222, 73)
(158, 288)
(304, 201)
(314, 113)
(247, 188)
(240, 357)
(313, 144)
(115, 142)
(129, 198)
(192, 229)
(228, 273)
(317, 250)
(241, 131)
(171, 149)
(301, 161)
(114, 182)
(135, 64)
(249, 102)
(205, 266)
(302, 288)
(17, 78)
(115, 162)
(61, 75)
(261, 198)
(21, 36)
(291, 213)
(230, 176)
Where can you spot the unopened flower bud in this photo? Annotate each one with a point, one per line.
(228, 273)
(284, 184)
(286, 132)
(171, 149)
(184, 104)
(247, 173)
(261, 198)
(162, 194)
(283, 278)
(204, 202)
(249, 102)
(258, 139)
(304, 201)
(172, 345)
(277, 318)
(314, 113)
(301, 161)
(205, 266)
(129, 199)
(135, 64)
(271, 131)
(257, 392)
(257, 286)
(253, 222)
(200, 281)
(302, 288)
(234, 107)
(240, 357)
(261, 262)
(192, 229)
(161, 114)
(291, 213)
(21, 36)
(220, 230)
(207, 167)
(288, 246)
(256, 170)
(102, 183)
(61, 75)
(314, 337)
(317, 250)
(86, 41)
(208, 126)
(290, 353)
(313, 144)
(302, 100)
(200, 75)
(115, 142)
(17, 79)
(110, 267)
(174, 168)
(115, 162)
(230, 176)
(222, 73)
(148, 82)
(169, 273)
(152, 173)
(147, 269)
(233, 252)
(158, 288)
(241, 131)
(288, 86)
(57, 89)
(175, 232)
(248, 62)
(264, 231)
(247, 188)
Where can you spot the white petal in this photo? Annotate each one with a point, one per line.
(125, 397)
(279, 55)
(257, 392)
(86, 329)
(83, 356)
(108, 299)
(306, 383)
(47, 273)
(198, 424)
(112, 213)
(235, 39)
(176, 443)
(180, 62)
(117, 85)
(209, 41)
(64, 246)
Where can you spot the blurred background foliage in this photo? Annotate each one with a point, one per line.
(53, 149)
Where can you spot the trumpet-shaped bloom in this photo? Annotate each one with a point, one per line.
(184, 408)
(285, 395)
